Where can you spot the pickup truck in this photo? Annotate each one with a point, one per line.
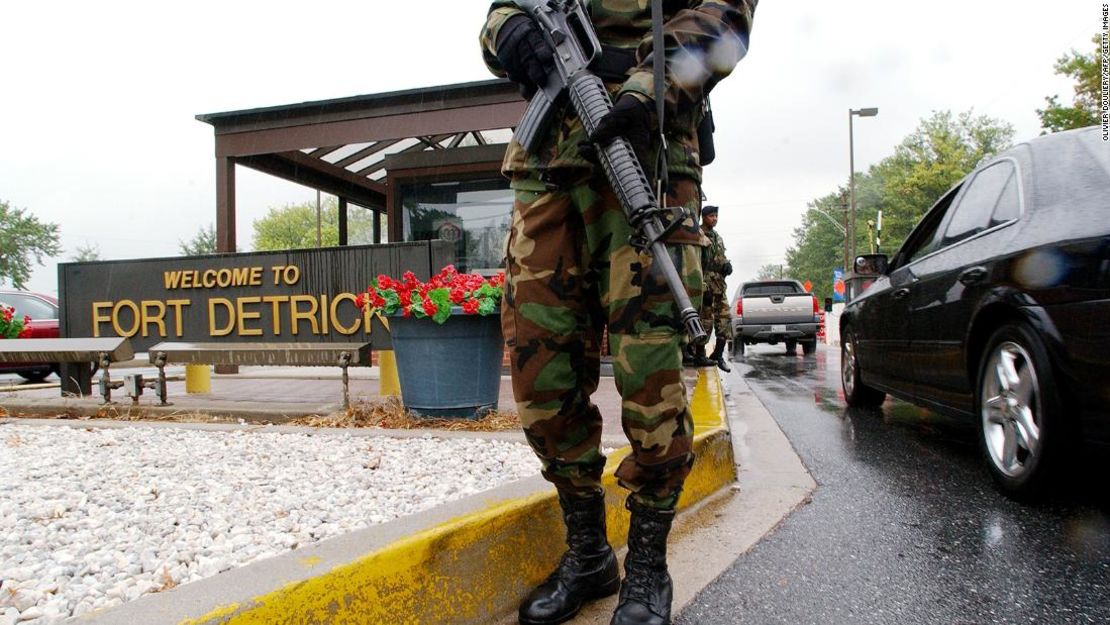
(774, 311)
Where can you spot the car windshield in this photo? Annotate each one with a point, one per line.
(26, 305)
(777, 288)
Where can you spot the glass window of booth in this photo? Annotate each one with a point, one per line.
(475, 214)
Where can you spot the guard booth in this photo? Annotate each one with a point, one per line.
(427, 160)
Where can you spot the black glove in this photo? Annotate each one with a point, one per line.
(630, 118)
(726, 269)
(524, 54)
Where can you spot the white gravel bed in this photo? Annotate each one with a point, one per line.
(90, 518)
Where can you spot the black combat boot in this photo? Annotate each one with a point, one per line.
(718, 356)
(700, 359)
(587, 571)
(688, 356)
(646, 590)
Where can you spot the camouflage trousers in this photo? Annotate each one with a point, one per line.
(571, 272)
(714, 314)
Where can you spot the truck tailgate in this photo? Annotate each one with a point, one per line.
(778, 309)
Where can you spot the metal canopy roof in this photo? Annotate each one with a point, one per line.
(339, 146)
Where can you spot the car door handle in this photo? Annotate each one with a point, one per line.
(973, 275)
(900, 293)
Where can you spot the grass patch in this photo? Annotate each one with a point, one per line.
(391, 414)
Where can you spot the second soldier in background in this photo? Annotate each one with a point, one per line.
(715, 267)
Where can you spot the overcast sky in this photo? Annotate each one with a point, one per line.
(97, 100)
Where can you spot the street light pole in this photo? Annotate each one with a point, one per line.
(850, 230)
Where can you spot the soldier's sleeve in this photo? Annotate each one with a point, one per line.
(703, 44)
(499, 13)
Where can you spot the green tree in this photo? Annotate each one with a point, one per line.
(294, 226)
(1084, 69)
(769, 271)
(86, 253)
(23, 237)
(941, 151)
(203, 242)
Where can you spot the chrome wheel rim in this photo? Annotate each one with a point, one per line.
(1011, 409)
(848, 366)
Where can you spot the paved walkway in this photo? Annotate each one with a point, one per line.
(257, 394)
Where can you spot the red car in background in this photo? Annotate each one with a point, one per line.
(43, 311)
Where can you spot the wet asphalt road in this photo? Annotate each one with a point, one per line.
(905, 526)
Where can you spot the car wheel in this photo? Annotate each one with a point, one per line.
(808, 347)
(856, 393)
(1022, 429)
(34, 375)
(791, 347)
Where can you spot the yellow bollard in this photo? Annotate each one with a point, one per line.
(198, 379)
(388, 384)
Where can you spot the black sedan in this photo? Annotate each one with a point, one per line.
(997, 309)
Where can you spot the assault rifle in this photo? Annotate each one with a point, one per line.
(568, 30)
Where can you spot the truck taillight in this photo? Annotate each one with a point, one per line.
(816, 308)
(740, 307)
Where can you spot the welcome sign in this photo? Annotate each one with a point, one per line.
(289, 296)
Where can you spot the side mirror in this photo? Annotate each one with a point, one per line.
(871, 265)
(828, 304)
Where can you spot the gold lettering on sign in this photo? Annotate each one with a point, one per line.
(178, 320)
(226, 304)
(275, 301)
(240, 304)
(343, 297)
(310, 315)
(157, 319)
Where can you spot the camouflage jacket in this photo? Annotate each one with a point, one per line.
(704, 41)
(713, 259)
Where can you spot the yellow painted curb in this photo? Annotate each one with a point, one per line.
(474, 568)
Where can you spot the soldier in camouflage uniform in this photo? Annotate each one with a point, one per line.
(714, 309)
(571, 272)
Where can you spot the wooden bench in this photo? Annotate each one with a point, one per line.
(100, 351)
(340, 355)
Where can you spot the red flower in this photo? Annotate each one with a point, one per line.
(435, 297)
(360, 301)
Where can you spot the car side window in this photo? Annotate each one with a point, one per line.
(923, 240)
(1009, 203)
(973, 214)
(32, 307)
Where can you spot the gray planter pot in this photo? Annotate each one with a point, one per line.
(449, 370)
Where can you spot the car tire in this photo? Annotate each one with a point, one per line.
(737, 349)
(856, 393)
(1022, 429)
(35, 376)
(809, 347)
(791, 347)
